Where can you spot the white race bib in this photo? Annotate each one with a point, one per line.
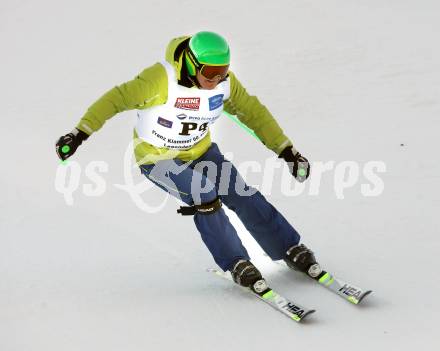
(185, 118)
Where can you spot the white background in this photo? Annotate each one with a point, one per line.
(347, 80)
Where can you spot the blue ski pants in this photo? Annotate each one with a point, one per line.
(210, 176)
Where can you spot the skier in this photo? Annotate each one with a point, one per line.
(177, 100)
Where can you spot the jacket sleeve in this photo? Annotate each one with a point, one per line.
(256, 116)
(148, 89)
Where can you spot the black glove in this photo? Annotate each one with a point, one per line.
(67, 144)
(299, 166)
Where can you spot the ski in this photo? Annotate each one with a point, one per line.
(274, 299)
(346, 290)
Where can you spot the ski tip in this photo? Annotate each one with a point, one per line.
(365, 294)
(356, 301)
(301, 319)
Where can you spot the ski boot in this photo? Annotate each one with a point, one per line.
(244, 273)
(302, 259)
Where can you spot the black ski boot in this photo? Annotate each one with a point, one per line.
(246, 274)
(302, 259)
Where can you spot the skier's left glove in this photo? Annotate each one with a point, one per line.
(299, 166)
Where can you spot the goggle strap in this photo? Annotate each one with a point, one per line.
(192, 58)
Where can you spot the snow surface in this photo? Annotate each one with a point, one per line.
(347, 80)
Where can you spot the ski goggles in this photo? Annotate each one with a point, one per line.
(208, 71)
(212, 72)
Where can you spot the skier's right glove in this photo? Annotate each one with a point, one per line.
(67, 144)
(299, 166)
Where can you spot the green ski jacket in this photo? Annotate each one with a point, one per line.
(150, 88)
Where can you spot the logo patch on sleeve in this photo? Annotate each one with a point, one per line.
(215, 101)
(164, 122)
(188, 103)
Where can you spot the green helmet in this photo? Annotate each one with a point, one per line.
(206, 48)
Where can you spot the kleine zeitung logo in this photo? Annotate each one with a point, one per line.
(186, 103)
